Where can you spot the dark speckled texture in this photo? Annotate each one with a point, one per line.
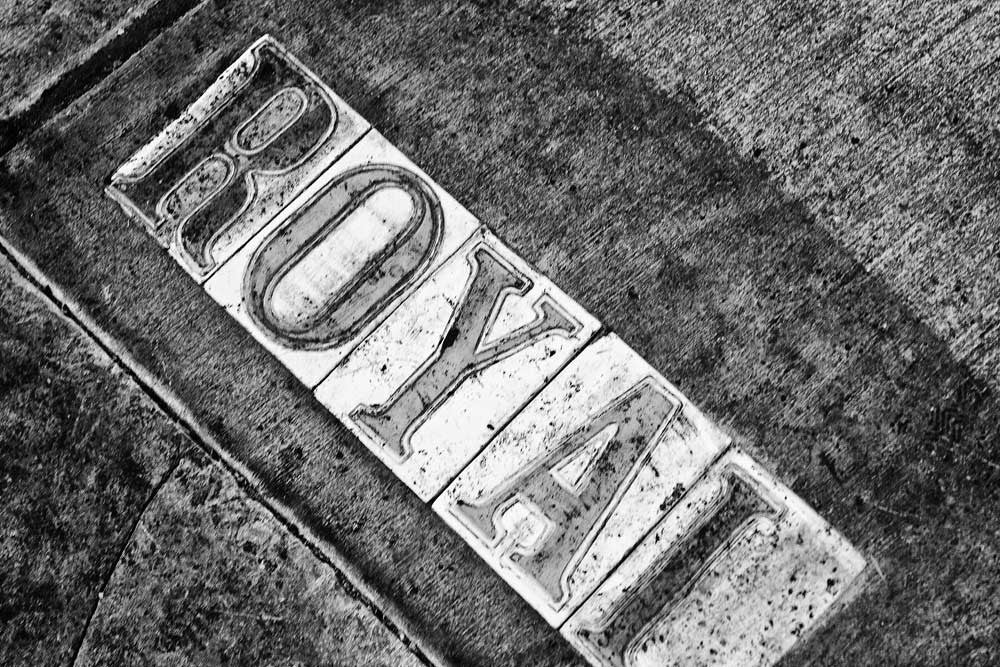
(211, 578)
(81, 452)
(621, 192)
(202, 575)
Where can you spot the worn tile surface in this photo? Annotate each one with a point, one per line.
(211, 578)
(81, 451)
(444, 373)
(580, 475)
(210, 180)
(260, 416)
(375, 226)
(737, 572)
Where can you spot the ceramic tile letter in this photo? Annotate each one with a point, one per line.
(580, 475)
(256, 138)
(739, 571)
(445, 372)
(336, 262)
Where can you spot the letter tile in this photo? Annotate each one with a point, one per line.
(336, 262)
(428, 388)
(255, 139)
(576, 480)
(738, 572)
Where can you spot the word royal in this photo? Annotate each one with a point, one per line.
(583, 477)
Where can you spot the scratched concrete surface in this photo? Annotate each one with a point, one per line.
(190, 572)
(40, 41)
(81, 452)
(746, 230)
(880, 117)
(211, 578)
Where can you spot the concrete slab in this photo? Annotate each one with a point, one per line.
(82, 450)
(878, 116)
(617, 190)
(211, 577)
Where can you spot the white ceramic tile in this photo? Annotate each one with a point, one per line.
(580, 475)
(404, 227)
(429, 387)
(739, 572)
(263, 131)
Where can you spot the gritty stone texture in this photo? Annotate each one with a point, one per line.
(211, 578)
(880, 117)
(618, 190)
(81, 451)
(40, 40)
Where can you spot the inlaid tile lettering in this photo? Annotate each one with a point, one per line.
(569, 464)
(341, 257)
(255, 139)
(446, 370)
(580, 475)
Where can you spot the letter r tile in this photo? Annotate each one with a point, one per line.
(576, 480)
(336, 262)
(264, 130)
(430, 387)
(736, 574)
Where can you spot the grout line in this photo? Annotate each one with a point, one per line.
(126, 541)
(656, 524)
(349, 576)
(600, 331)
(264, 231)
(102, 59)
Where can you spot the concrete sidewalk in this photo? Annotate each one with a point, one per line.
(620, 189)
(124, 545)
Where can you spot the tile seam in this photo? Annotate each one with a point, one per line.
(99, 61)
(154, 492)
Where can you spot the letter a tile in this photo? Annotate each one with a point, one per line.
(739, 571)
(428, 388)
(576, 480)
(336, 262)
(255, 139)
